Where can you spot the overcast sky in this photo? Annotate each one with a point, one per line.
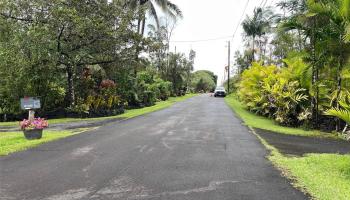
(207, 19)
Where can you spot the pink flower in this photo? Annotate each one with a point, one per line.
(37, 123)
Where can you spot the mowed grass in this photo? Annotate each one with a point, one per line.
(128, 113)
(159, 105)
(15, 141)
(323, 176)
(252, 120)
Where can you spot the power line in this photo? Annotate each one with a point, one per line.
(239, 22)
(261, 3)
(264, 4)
(218, 38)
(202, 40)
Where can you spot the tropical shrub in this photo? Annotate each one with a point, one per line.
(164, 88)
(250, 88)
(269, 91)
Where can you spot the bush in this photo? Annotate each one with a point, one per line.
(164, 89)
(203, 81)
(267, 91)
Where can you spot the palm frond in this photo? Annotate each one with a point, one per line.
(153, 13)
(174, 9)
(340, 113)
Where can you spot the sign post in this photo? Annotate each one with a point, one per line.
(30, 104)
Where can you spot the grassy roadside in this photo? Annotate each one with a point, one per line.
(128, 113)
(255, 121)
(159, 105)
(14, 141)
(323, 176)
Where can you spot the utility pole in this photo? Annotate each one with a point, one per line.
(228, 67)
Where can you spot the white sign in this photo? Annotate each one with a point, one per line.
(29, 103)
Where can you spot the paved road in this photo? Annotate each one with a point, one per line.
(195, 150)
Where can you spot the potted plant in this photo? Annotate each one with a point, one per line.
(33, 129)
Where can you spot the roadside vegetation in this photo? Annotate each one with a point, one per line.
(255, 121)
(293, 78)
(126, 115)
(204, 81)
(296, 64)
(323, 176)
(92, 68)
(14, 141)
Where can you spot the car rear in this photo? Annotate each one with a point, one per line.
(220, 92)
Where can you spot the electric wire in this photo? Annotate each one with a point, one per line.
(240, 20)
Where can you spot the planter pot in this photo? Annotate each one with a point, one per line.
(33, 134)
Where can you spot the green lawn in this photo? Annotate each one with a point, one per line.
(15, 141)
(323, 176)
(159, 105)
(128, 113)
(252, 120)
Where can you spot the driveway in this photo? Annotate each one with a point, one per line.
(194, 150)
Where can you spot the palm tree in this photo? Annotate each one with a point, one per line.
(257, 25)
(150, 6)
(309, 24)
(337, 13)
(343, 112)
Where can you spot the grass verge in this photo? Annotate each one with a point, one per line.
(159, 105)
(128, 113)
(252, 120)
(323, 176)
(15, 141)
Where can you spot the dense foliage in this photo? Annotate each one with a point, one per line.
(302, 73)
(203, 81)
(87, 58)
(273, 92)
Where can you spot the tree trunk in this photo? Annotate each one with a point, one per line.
(314, 102)
(139, 24)
(253, 51)
(339, 88)
(299, 41)
(143, 26)
(70, 94)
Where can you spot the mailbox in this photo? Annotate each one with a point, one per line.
(30, 103)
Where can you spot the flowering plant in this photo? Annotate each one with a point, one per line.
(37, 123)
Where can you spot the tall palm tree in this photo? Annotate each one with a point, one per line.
(324, 23)
(257, 25)
(166, 6)
(338, 14)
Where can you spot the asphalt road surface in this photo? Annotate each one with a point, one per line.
(194, 150)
